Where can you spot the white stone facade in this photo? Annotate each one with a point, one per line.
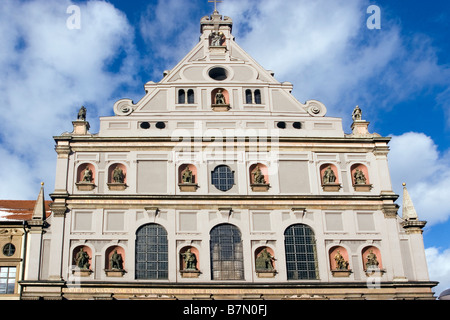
(261, 124)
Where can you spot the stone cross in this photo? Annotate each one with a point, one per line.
(215, 4)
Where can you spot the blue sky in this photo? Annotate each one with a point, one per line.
(399, 75)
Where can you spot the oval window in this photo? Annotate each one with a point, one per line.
(9, 249)
(218, 73)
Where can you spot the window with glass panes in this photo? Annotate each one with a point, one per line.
(7, 280)
(300, 247)
(227, 259)
(151, 252)
(222, 178)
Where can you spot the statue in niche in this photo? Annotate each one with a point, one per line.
(118, 175)
(82, 259)
(220, 98)
(217, 39)
(258, 177)
(190, 260)
(329, 176)
(82, 114)
(87, 175)
(357, 114)
(264, 261)
(359, 177)
(116, 261)
(372, 261)
(186, 177)
(341, 264)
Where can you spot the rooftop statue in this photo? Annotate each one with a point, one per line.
(357, 114)
(82, 114)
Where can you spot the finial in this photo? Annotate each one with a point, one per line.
(42, 183)
(403, 184)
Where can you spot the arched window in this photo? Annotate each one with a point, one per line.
(222, 178)
(248, 96)
(151, 252)
(181, 96)
(190, 96)
(227, 260)
(257, 96)
(300, 247)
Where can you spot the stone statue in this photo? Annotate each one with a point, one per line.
(340, 261)
(82, 259)
(190, 260)
(118, 175)
(372, 261)
(186, 177)
(258, 177)
(329, 176)
(359, 177)
(116, 261)
(264, 261)
(87, 176)
(82, 114)
(357, 114)
(216, 39)
(220, 98)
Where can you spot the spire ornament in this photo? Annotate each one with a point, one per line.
(215, 5)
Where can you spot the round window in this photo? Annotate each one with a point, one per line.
(9, 249)
(218, 73)
(222, 178)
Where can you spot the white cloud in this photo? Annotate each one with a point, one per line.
(48, 72)
(439, 268)
(325, 49)
(415, 160)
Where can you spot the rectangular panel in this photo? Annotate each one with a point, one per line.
(115, 221)
(365, 222)
(152, 176)
(333, 221)
(294, 177)
(188, 221)
(82, 221)
(261, 221)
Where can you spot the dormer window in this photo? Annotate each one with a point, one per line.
(186, 96)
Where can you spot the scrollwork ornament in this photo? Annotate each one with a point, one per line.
(123, 107)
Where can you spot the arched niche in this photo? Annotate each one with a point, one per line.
(117, 176)
(220, 99)
(81, 260)
(115, 261)
(187, 177)
(189, 262)
(265, 262)
(372, 261)
(329, 177)
(85, 179)
(259, 177)
(339, 261)
(360, 177)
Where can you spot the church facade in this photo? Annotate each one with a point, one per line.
(219, 184)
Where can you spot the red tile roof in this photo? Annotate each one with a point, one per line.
(20, 209)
